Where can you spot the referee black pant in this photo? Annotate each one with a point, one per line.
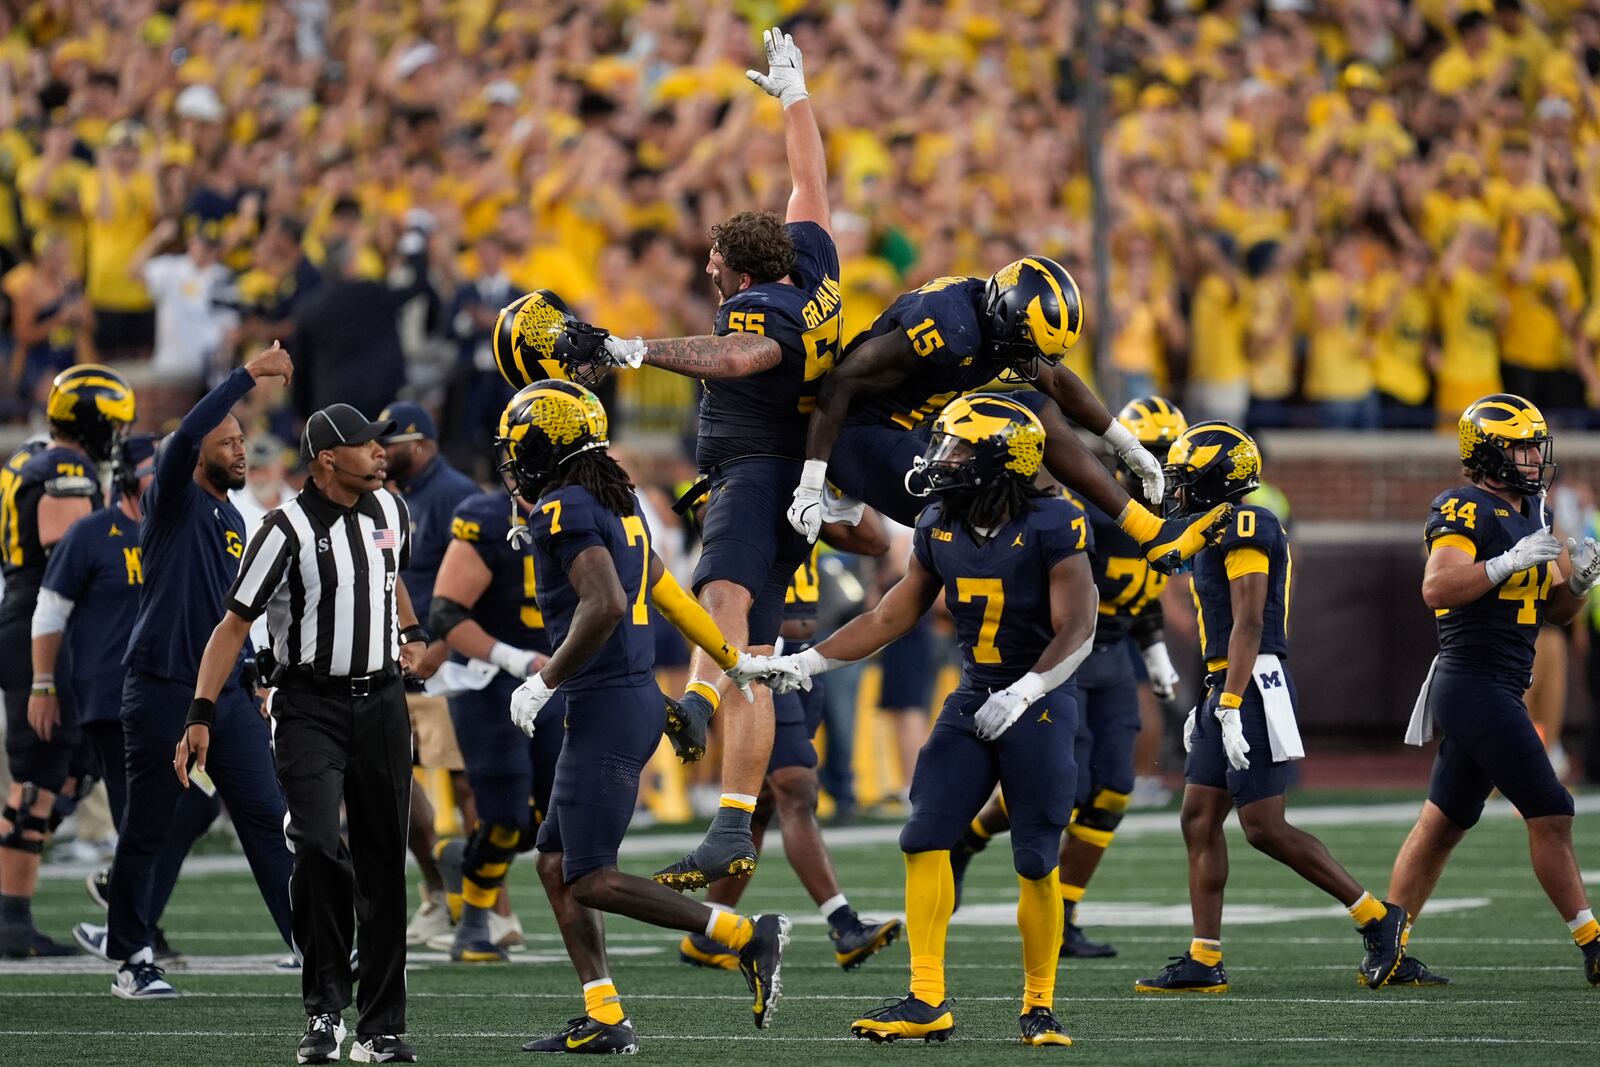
(356, 749)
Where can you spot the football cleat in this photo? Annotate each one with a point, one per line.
(724, 853)
(324, 1034)
(29, 944)
(382, 1048)
(98, 886)
(761, 963)
(1078, 946)
(586, 1034)
(688, 720)
(1384, 947)
(854, 946)
(1185, 974)
(1039, 1027)
(141, 979)
(907, 1017)
(477, 950)
(1411, 971)
(1591, 962)
(700, 951)
(432, 918)
(1182, 537)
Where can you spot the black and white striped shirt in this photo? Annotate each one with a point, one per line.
(325, 576)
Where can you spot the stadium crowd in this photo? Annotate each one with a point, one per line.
(1337, 214)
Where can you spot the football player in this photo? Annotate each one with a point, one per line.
(791, 787)
(1108, 692)
(947, 338)
(1011, 562)
(1492, 579)
(1242, 737)
(776, 335)
(483, 606)
(44, 488)
(597, 580)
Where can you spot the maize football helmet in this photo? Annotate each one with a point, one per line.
(545, 424)
(92, 405)
(1032, 311)
(537, 337)
(1494, 425)
(977, 440)
(1153, 420)
(1211, 463)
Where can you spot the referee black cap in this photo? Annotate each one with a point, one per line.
(337, 425)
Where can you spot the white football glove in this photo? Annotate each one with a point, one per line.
(1163, 675)
(626, 351)
(517, 662)
(527, 701)
(747, 669)
(1585, 565)
(1188, 731)
(1538, 547)
(1138, 458)
(805, 510)
(786, 76)
(1233, 742)
(1006, 707)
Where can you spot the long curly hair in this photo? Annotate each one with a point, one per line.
(991, 506)
(602, 476)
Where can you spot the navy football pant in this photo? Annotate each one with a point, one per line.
(1208, 764)
(747, 539)
(797, 717)
(1032, 762)
(510, 773)
(870, 463)
(240, 762)
(1108, 697)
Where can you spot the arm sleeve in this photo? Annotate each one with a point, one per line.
(176, 469)
(50, 613)
(266, 559)
(691, 620)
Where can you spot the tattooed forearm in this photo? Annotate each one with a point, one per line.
(735, 355)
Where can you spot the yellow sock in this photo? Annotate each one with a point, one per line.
(1405, 935)
(978, 830)
(1040, 918)
(729, 928)
(1204, 950)
(930, 898)
(707, 690)
(1139, 522)
(742, 801)
(1367, 909)
(600, 1000)
(1584, 928)
(1072, 894)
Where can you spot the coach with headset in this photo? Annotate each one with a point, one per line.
(325, 567)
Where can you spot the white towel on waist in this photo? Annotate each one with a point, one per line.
(1419, 731)
(1273, 683)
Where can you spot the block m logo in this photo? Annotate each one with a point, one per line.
(1270, 680)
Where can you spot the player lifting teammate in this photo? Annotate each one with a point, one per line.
(1493, 580)
(1010, 560)
(597, 580)
(1241, 591)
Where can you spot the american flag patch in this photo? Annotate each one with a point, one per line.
(386, 538)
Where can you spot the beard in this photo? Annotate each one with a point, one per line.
(223, 478)
(401, 464)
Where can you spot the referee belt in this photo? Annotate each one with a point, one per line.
(301, 680)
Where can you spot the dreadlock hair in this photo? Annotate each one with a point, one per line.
(602, 476)
(990, 506)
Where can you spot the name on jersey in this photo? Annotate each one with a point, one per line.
(823, 305)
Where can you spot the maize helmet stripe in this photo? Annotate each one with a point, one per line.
(1053, 338)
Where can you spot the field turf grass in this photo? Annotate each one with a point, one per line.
(1518, 997)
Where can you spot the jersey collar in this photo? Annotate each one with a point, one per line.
(327, 512)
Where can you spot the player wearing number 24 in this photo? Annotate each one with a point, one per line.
(1493, 579)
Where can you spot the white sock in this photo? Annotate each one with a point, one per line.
(711, 920)
(604, 980)
(742, 798)
(1582, 919)
(832, 904)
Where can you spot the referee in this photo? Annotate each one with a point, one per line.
(325, 567)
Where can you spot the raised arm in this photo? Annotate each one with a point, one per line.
(808, 170)
(176, 467)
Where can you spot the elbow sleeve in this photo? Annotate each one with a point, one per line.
(50, 613)
(691, 620)
(445, 615)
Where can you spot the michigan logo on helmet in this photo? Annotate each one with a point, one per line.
(1033, 311)
(1492, 428)
(537, 338)
(1211, 463)
(545, 424)
(92, 405)
(1153, 420)
(977, 440)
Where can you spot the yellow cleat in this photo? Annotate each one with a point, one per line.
(1040, 1028)
(700, 951)
(907, 1017)
(1182, 538)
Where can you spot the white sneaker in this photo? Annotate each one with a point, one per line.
(506, 931)
(432, 919)
(442, 942)
(92, 939)
(141, 979)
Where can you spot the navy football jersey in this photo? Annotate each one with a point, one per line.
(1130, 589)
(766, 414)
(800, 599)
(941, 320)
(1495, 633)
(31, 473)
(999, 592)
(566, 522)
(508, 609)
(97, 566)
(1253, 528)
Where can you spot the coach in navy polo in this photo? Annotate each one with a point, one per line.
(192, 539)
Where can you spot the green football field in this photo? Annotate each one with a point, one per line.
(1518, 996)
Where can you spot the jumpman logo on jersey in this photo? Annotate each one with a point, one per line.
(1018, 542)
(1044, 716)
